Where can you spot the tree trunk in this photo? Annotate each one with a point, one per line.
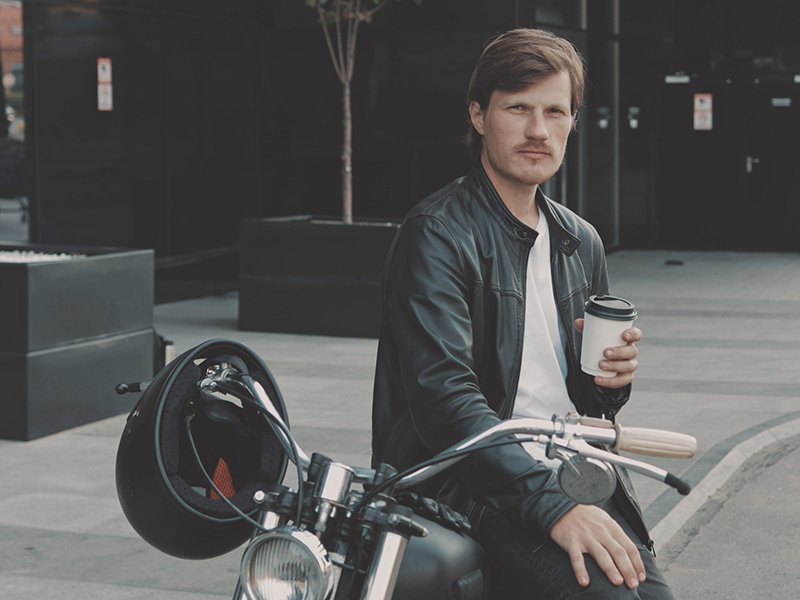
(347, 156)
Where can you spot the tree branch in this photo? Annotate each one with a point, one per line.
(342, 60)
(376, 9)
(336, 66)
(352, 33)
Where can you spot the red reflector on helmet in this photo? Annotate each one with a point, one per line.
(223, 480)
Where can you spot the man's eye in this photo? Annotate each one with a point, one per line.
(557, 111)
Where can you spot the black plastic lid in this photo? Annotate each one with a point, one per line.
(610, 307)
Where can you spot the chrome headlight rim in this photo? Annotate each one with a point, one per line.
(308, 544)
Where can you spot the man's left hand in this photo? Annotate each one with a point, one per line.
(622, 360)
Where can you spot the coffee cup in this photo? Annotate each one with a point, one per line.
(605, 318)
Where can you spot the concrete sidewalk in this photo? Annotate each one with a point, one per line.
(719, 361)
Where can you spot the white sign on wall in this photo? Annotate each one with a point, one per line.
(105, 93)
(703, 112)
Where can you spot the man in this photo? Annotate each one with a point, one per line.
(483, 293)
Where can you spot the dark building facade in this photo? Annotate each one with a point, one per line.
(218, 111)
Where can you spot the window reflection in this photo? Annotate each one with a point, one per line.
(563, 13)
(13, 198)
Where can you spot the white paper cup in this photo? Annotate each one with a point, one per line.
(605, 319)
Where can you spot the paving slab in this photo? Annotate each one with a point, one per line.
(743, 543)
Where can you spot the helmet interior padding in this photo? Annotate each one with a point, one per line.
(250, 454)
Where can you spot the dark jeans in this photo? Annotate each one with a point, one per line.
(525, 568)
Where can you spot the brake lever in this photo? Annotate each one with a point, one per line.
(585, 449)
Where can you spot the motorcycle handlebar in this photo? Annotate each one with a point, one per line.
(575, 435)
(569, 433)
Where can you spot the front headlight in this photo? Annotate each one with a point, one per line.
(285, 564)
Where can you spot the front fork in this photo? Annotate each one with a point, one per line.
(382, 574)
(395, 526)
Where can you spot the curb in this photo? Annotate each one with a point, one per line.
(667, 527)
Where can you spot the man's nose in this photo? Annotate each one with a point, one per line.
(536, 128)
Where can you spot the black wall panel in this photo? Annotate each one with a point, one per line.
(226, 110)
(177, 162)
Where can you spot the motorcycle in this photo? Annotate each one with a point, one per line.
(342, 532)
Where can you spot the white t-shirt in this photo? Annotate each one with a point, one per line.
(542, 390)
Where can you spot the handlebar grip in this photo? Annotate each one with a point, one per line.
(128, 388)
(655, 442)
(679, 484)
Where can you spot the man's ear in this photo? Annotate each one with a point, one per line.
(476, 116)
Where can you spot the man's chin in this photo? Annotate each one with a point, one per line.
(531, 177)
(535, 179)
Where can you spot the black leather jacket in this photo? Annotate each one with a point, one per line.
(450, 346)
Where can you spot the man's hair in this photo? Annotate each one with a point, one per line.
(516, 59)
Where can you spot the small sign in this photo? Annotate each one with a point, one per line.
(103, 70)
(105, 97)
(105, 94)
(781, 102)
(703, 112)
(677, 79)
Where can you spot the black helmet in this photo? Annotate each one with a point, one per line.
(162, 491)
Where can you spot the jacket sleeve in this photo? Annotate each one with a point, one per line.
(426, 295)
(610, 400)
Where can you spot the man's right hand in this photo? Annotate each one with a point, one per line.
(589, 529)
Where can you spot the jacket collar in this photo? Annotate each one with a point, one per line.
(561, 239)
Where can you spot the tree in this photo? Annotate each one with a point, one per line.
(340, 20)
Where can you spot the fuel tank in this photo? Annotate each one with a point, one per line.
(444, 565)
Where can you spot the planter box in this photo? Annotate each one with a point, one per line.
(71, 331)
(313, 276)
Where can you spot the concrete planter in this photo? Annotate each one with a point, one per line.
(72, 330)
(312, 276)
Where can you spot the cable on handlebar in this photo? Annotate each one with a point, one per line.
(231, 390)
(249, 383)
(275, 425)
(433, 461)
(188, 421)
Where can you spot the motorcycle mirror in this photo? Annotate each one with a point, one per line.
(586, 480)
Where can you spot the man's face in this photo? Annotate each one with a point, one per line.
(525, 132)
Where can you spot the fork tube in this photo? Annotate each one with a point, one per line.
(269, 520)
(382, 575)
